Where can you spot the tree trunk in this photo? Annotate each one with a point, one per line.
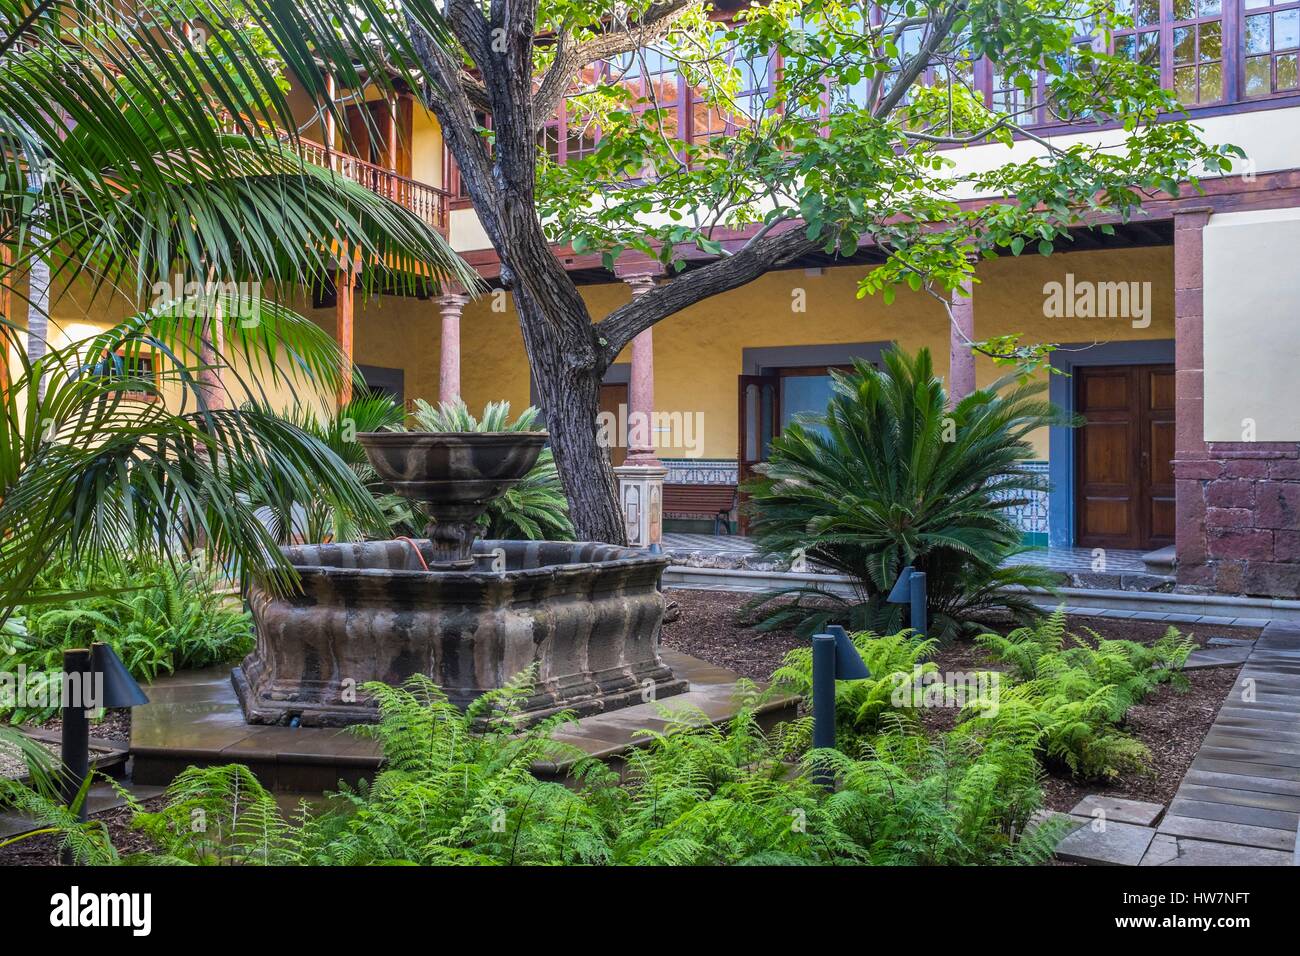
(571, 404)
(569, 390)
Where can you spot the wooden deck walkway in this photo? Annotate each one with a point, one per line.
(1243, 788)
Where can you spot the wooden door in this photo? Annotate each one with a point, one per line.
(613, 399)
(1124, 477)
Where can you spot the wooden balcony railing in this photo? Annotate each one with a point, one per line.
(429, 203)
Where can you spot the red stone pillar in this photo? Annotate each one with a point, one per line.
(641, 476)
(961, 360)
(451, 305)
(1193, 467)
(641, 388)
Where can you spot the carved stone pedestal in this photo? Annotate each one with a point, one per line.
(641, 499)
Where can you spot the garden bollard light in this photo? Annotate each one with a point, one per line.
(834, 658)
(909, 589)
(920, 620)
(76, 731)
(92, 678)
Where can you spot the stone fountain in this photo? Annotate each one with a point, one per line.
(466, 613)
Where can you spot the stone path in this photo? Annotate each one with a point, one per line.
(1239, 804)
(1243, 788)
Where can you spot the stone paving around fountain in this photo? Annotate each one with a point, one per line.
(194, 718)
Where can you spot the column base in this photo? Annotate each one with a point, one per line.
(641, 499)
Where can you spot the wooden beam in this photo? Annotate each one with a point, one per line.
(344, 297)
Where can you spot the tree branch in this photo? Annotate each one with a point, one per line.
(755, 259)
(922, 59)
(571, 55)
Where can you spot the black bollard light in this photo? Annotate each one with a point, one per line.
(834, 658)
(910, 589)
(92, 678)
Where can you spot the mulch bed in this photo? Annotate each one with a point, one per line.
(1172, 724)
(708, 629)
(44, 850)
(114, 725)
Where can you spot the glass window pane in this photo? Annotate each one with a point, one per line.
(1286, 30)
(804, 395)
(1185, 84)
(1148, 12)
(1124, 7)
(1257, 34)
(1211, 42)
(1258, 76)
(1184, 10)
(1211, 82)
(1211, 8)
(1184, 45)
(1287, 78)
(1126, 47)
(1256, 4)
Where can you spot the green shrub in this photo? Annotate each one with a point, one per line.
(891, 476)
(455, 416)
(695, 794)
(292, 512)
(1079, 694)
(157, 618)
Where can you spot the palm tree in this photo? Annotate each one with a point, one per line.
(129, 156)
(890, 476)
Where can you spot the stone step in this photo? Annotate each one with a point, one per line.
(1169, 850)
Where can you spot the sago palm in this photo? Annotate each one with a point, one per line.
(891, 476)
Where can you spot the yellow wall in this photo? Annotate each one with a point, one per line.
(390, 331)
(698, 352)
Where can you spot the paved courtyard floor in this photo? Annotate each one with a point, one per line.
(1055, 559)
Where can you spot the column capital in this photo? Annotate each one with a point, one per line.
(640, 274)
(452, 301)
(1191, 217)
(641, 283)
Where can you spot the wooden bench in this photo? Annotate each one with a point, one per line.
(706, 502)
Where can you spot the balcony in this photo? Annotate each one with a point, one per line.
(429, 203)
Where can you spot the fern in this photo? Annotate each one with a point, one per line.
(158, 618)
(899, 666)
(1079, 695)
(460, 789)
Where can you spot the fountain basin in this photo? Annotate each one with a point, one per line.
(588, 615)
(452, 477)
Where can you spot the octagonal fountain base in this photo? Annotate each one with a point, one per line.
(588, 616)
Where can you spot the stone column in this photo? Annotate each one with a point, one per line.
(961, 360)
(451, 305)
(1193, 468)
(641, 477)
(641, 388)
(211, 356)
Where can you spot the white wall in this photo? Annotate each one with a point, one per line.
(1270, 138)
(1252, 326)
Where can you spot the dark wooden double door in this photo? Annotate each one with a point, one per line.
(1124, 480)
